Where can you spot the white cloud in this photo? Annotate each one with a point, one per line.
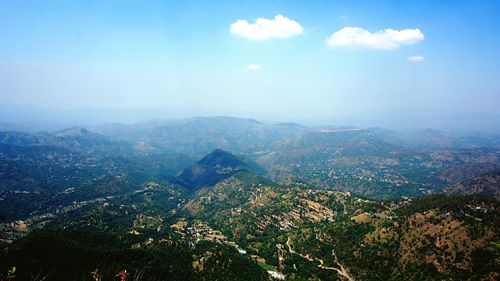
(254, 66)
(263, 29)
(415, 58)
(384, 39)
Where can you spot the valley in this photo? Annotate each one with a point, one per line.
(355, 205)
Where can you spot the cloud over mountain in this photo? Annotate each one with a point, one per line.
(384, 39)
(263, 29)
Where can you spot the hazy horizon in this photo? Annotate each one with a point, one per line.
(32, 118)
(269, 60)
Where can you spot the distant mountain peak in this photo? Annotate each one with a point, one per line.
(72, 132)
(219, 157)
(213, 168)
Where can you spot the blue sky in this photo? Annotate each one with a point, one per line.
(183, 56)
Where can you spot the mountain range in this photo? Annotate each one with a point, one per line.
(262, 201)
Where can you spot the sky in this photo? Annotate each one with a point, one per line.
(273, 60)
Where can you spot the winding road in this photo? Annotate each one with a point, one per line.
(340, 269)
